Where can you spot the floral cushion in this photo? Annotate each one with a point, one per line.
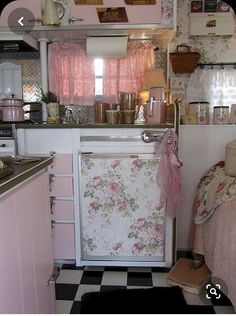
(214, 188)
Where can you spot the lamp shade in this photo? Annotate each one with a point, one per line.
(154, 79)
(50, 16)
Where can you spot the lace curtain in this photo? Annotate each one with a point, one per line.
(217, 86)
(72, 77)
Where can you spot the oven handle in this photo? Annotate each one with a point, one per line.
(152, 136)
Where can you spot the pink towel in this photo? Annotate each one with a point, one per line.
(168, 173)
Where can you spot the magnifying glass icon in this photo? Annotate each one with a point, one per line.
(213, 291)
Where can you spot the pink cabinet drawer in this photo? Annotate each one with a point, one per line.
(63, 241)
(63, 210)
(61, 186)
(62, 163)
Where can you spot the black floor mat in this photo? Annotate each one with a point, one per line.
(157, 300)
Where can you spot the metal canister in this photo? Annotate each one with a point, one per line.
(201, 111)
(221, 115)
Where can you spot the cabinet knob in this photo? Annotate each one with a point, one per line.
(152, 136)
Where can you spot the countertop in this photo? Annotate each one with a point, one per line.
(23, 171)
(89, 125)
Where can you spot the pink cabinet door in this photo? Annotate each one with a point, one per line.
(33, 5)
(10, 276)
(26, 249)
(42, 242)
(62, 164)
(62, 210)
(64, 241)
(61, 186)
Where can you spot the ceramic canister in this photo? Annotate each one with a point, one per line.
(201, 111)
(100, 112)
(12, 110)
(233, 114)
(221, 115)
(12, 114)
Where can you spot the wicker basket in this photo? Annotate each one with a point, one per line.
(184, 62)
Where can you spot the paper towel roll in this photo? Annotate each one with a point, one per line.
(107, 46)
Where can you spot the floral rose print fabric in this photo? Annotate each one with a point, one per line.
(214, 188)
(119, 200)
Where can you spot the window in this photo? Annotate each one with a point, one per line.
(77, 79)
(216, 86)
(98, 69)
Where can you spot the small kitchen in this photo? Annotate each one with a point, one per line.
(96, 151)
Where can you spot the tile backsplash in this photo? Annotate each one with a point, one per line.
(81, 113)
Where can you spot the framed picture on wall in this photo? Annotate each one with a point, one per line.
(223, 6)
(196, 6)
(210, 6)
(112, 15)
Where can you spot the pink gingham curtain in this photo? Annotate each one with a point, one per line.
(72, 77)
(71, 73)
(126, 74)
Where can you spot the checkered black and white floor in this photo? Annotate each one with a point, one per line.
(74, 281)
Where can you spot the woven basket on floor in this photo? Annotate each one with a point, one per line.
(184, 62)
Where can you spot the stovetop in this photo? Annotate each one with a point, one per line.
(8, 129)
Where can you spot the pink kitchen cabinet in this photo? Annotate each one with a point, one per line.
(62, 207)
(136, 14)
(10, 270)
(61, 185)
(62, 210)
(64, 241)
(26, 249)
(42, 243)
(62, 164)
